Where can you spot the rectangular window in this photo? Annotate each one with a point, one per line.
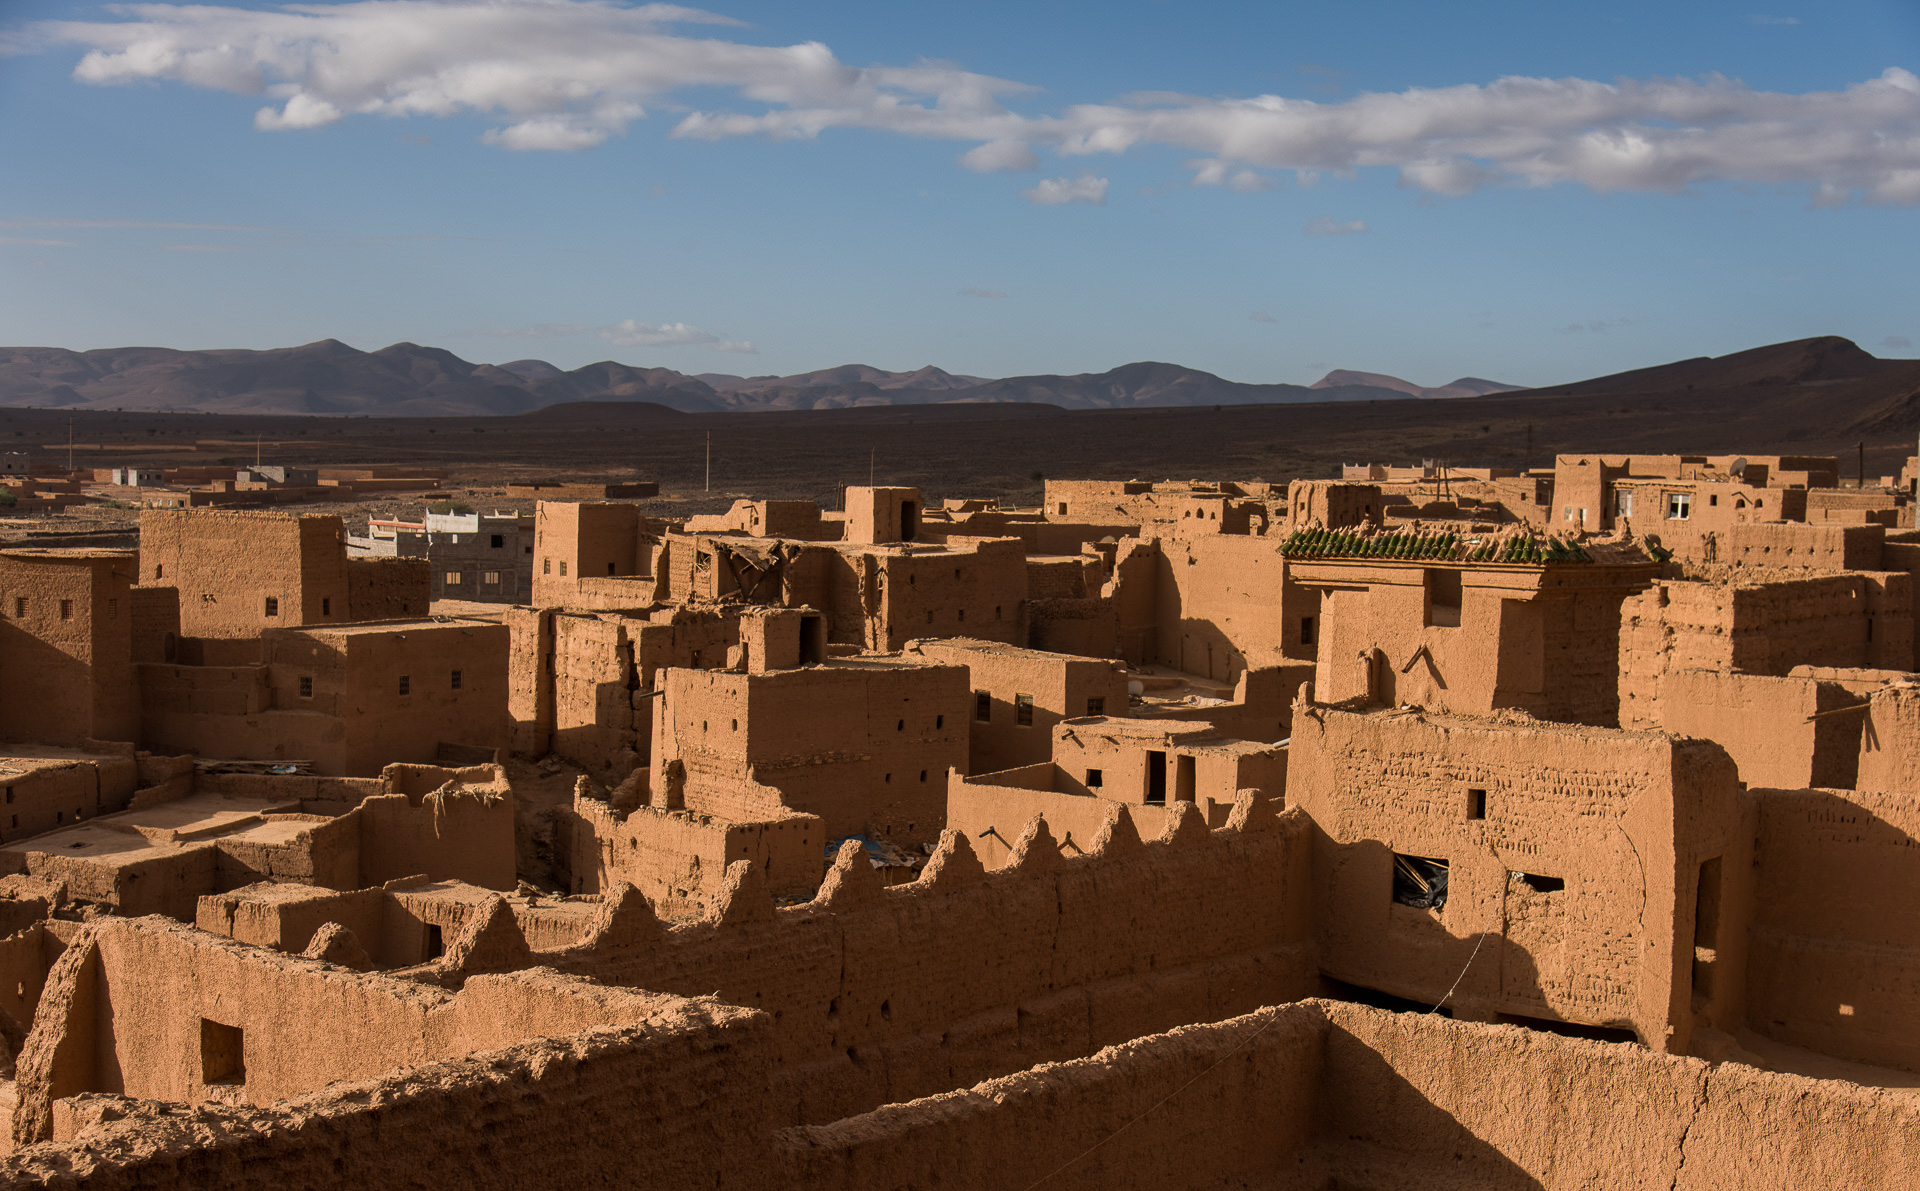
(19, 607)
(273, 606)
(1567, 513)
(1095, 778)
(1713, 500)
(1023, 710)
(1157, 778)
(983, 707)
(1679, 506)
(1540, 884)
(326, 605)
(113, 610)
(963, 614)
(499, 540)
(1306, 630)
(563, 568)
(1623, 503)
(1476, 804)
(490, 578)
(66, 609)
(1097, 705)
(546, 566)
(453, 579)
(456, 680)
(406, 684)
(159, 570)
(306, 686)
(223, 1053)
(1443, 598)
(1419, 881)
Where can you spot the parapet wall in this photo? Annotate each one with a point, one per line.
(679, 859)
(887, 994)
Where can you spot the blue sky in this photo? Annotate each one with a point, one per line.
(995, 188)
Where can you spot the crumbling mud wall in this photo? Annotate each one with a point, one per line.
(679, 859)
(882, 994)
(1890, 741)
(452, 824)
(1540, 870)
(388, 588)
(1834, 949)
(545, 1113)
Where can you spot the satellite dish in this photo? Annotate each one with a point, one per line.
(1738, 467)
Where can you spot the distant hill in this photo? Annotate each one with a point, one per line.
(407, 379)
(1466, 386)
(1832, 377)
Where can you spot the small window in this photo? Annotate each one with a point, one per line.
(223, 1053)
(326, 605)
(1096, 705)
(456, 680)
(939, 721)
(1419, 881)
(962, 615)
(983, 707)
(1023, 710)
(929, 616)
(66, 609)
(923, 775)
(563, 568)
(901, 726)
(159, 570)
(1623, 503)
(1540, 884)
(19, 607)
(453, 578)
(113, 610)
(1567, 513)
(1306, 630)
(996, 611)
(9, 794)
(1062, 510)
(1476, 804)
(498, 541)
(406, 684)
(273, 606)
(1095, 779)
(435, 945)
(490, 578)
(609, 568)
(306, 686)
(546, 566)
(1679, 506)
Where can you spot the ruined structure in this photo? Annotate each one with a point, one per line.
(1424, 826)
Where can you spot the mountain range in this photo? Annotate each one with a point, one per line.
(406, 379)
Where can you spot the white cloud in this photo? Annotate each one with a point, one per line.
(24, 241)
(1054, 191)
(569, 74)
(1324, 225)
(982, 293)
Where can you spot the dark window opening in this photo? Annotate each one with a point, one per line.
(1540, 884)
(306, 686)
(1095, 779)
(273, 606)
(1306, 630)
(1097, 705)
(813, 640)
(406, 684)
(939, 721)
(923, 775)
(1443, 598)
(66, 609)
(1023, 710)
(1476, 804)
(901, 726)
(435, 946)
(223, 1053)
(1419, 881)
(326, 605)
(456, 680)
(1183, 778)
(498, 540)
(1157, 778)
(909, 521)
(983, 707)
(609, 568)
(1706, 913)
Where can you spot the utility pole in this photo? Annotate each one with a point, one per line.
(69, 444)
(1863, 467)
(256, 450)
(871, 453)
(709, 461)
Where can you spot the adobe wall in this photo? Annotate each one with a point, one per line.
(1834, 963)
(1850, 621)
(1890, 742)
(1331, 504)
(993, 813)
(40, 793)
(1228, 1104)
(388, 588)
(864, 744)
(226, 566)
(881, 995)
(304, 1024)
(1575, 856)
(580, 546)
(1208, 605)
(461, 831)
(384, 726)
(974, 588)
(66, 643)
(679, 859)
(1777, 730)
(156, 623)
(1056, 687)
